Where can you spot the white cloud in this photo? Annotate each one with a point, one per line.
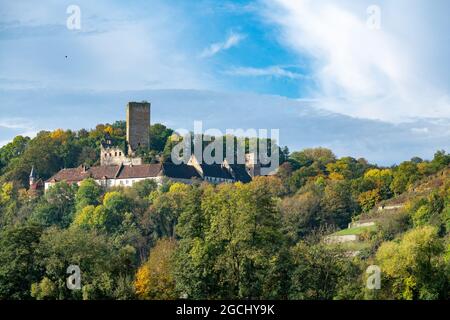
(359, 71)
(272, 71)
(419, 130)
(15, 123)
(118, 47)
(233, 40)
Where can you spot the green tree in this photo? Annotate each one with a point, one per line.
(18, 269)
(414, 268)
(242, 243)
(102, 264)
(338, 204)
(404, 176)
(158, 136)
(321, 272)
(57, 206)
(300, 214)
(88, 193)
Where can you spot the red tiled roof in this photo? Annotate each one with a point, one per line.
(108, 172)
(140, 171)
(70, 175)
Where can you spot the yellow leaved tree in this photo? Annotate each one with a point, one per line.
(154, 280)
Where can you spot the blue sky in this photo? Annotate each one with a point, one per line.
(317, 53)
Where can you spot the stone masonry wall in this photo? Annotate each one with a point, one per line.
(138, 123)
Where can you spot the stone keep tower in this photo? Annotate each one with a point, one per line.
(138, 124)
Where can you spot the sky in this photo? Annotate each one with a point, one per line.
(321, 71)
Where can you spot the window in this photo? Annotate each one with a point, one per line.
(120, 154)
(115, 154)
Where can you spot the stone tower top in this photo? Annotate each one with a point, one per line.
(138, 124)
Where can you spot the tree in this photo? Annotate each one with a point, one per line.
(381, 179)
(102, 264)
(338, 204)
(57, 207)
(154, 279)
(12, 150)
(441, 160)
(300, 177)
(346, 168)
(88, 193)
(42, 152)
(367, 200)
(158, 136)
(300, 214)
(307, 157)
(167, 207)
(145, 187)
(404, 176)
(414, 268)
(320, 272)
(108, 216)
(18, 269)
(240, 252)
(9, 203)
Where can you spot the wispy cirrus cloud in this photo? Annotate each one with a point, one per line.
(363, 72)
(10, 127)
(15, 123)
(272, 71)
(232, 40)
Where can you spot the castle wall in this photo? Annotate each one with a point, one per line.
(115, 156)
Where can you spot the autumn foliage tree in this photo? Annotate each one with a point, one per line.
(154, 279)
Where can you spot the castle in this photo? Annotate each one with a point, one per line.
(138, 124)
(122, 166)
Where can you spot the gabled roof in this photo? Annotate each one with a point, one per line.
(216, 171)
(107, 172)
(170, 170)
(140, 171)
(70, 175)
(102, 172)
(240, 173)
(180, 171)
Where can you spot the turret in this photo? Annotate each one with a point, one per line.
(33, 176)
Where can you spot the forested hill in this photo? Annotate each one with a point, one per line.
(49, 152)
(265, 239)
